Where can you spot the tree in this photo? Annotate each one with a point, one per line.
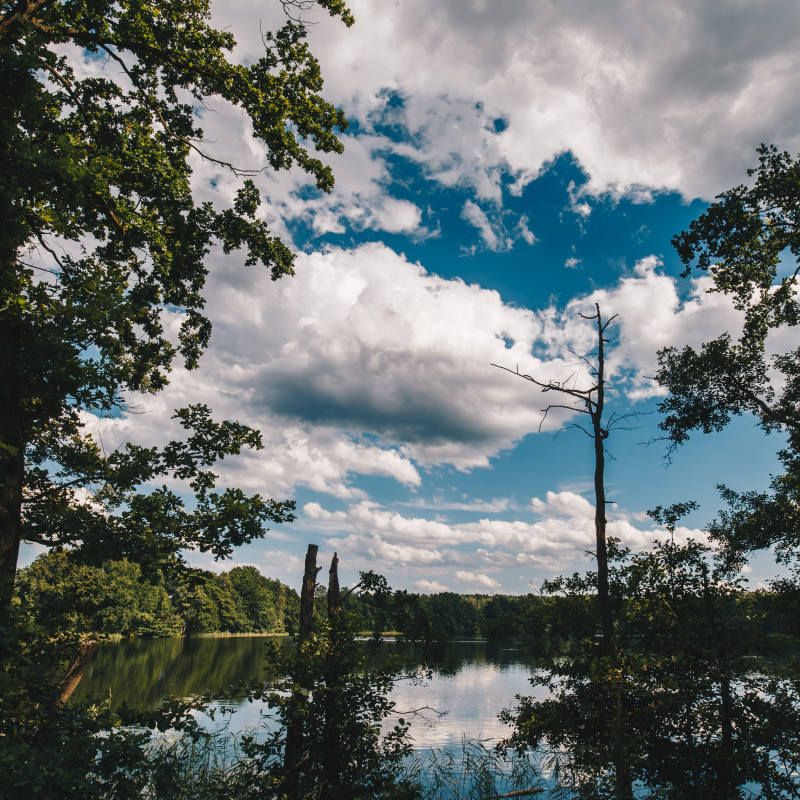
(257, 598)
(102, 254)
(330, 705)
(102, 242)
(700, 720)
(591, 402)
(749, 243)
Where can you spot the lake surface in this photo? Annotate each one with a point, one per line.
(486, 677)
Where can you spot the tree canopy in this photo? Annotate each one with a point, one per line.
(102, 253)
(749, 243)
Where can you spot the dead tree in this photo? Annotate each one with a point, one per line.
(295, 751)
(307, 592)
(332, 750)
(590, 401)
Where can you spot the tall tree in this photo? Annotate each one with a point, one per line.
(749, 243)
(590, 401)
(102, 241)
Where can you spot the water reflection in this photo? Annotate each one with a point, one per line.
(483, 677)
(142, 672)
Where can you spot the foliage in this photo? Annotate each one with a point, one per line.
(64, 595)
(60, 752)
(102, 256)
(746, 242)
(329, 708)
(699, 719)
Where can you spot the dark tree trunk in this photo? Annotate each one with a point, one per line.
(332, 755)
(295, 751)
(592, 403)
(599, 435)
(624, 790)
(307, 592)
(334, 593)
(12, 448)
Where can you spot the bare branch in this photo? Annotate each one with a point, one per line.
(552, 386)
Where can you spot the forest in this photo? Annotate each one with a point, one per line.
(658, 673)
(63, 595)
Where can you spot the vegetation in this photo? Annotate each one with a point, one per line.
(749, 243)
(102, 253)
(702, 713)
(103, 249)
(681, 709)
(60, 593)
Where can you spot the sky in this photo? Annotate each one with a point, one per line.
(508, 165)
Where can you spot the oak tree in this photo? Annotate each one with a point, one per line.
(748, 242)
(102, 243)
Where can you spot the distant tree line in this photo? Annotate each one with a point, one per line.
(60, 593)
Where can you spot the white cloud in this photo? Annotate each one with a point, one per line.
(646, 97)
(364, 363)
(559, 540)
(438, 502)
(492, 234)
(562, 504)
(430, 587)
(670, 95)
(526, 233)
(476, 578)
(279, 564)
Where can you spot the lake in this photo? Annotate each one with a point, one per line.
(486, 677)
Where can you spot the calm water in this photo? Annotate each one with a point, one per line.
(486, 678)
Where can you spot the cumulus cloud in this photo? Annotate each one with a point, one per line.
(558, 540)
(365, 363)
(430, 587)
(476, 579)
(485, 96)
(675, 95)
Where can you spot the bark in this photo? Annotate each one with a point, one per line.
(592, 403)
(623, 779)
(12, 448)
(295, 751)
(334, 593)
(307, 592)
(332, 755)
(73, 677)
(599, 435)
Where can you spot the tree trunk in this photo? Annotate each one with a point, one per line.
(12, 450)
(599, 435)
(334, 593)
(294, 752)
(332, 755)
(623, 782)
(73, 677)
(307, 592)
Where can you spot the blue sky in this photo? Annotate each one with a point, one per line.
(508, 165)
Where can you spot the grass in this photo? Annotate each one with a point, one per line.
(213, 768)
